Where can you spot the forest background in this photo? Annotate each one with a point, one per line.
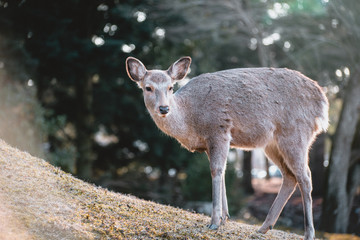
(65, 95)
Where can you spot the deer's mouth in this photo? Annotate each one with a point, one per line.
(163, 115)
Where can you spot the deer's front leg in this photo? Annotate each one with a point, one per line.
(225, 209)
(217, 153)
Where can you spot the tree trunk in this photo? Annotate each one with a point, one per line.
(316, 164)
(267, 166)
(84, 122)
(84, 129)
(336, 209)
(354, 174)
(256, 31)
(247, 173)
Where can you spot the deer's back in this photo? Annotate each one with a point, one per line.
(252, 104)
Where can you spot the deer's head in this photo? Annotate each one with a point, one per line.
(157, 85)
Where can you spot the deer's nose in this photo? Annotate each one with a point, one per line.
(164, 109)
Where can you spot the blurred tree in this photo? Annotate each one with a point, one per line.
(199, 173)
(21, 116)
(316, 163)
(247, 166)
(79, 48)
(354, 183)
(341, 181)
(51, 37)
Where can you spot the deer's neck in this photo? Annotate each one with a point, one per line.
(177, 124)
(173, 124)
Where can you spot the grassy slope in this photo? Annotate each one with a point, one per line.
(39, 201)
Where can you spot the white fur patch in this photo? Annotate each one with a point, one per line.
(322, 122)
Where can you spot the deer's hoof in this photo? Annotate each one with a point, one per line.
(309, 235)
(227, 216)
(264, 230)
(213, 226)
(224, 219)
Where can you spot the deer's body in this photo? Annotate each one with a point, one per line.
(258, 105)
(279, 110)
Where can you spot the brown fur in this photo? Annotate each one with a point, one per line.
(279, 110)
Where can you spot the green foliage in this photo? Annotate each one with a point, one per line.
(308, 7)
(197, 185)
(234, 190)
(63, 157)
(77, 56)
(62, 152)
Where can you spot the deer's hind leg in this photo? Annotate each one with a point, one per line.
(298, 163)
(286, 190)
(295, 151)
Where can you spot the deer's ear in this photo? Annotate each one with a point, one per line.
(180, 68)
(135, 69)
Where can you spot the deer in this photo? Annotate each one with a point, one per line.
(276, 109)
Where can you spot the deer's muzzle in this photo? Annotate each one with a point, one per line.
(164, 109)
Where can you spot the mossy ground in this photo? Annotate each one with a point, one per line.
(39, 201)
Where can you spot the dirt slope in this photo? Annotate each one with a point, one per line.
(39, 201)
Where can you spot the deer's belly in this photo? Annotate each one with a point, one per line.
(193, 145)
(250, 139)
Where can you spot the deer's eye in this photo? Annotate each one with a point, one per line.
(171, 88)
(149, 89)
